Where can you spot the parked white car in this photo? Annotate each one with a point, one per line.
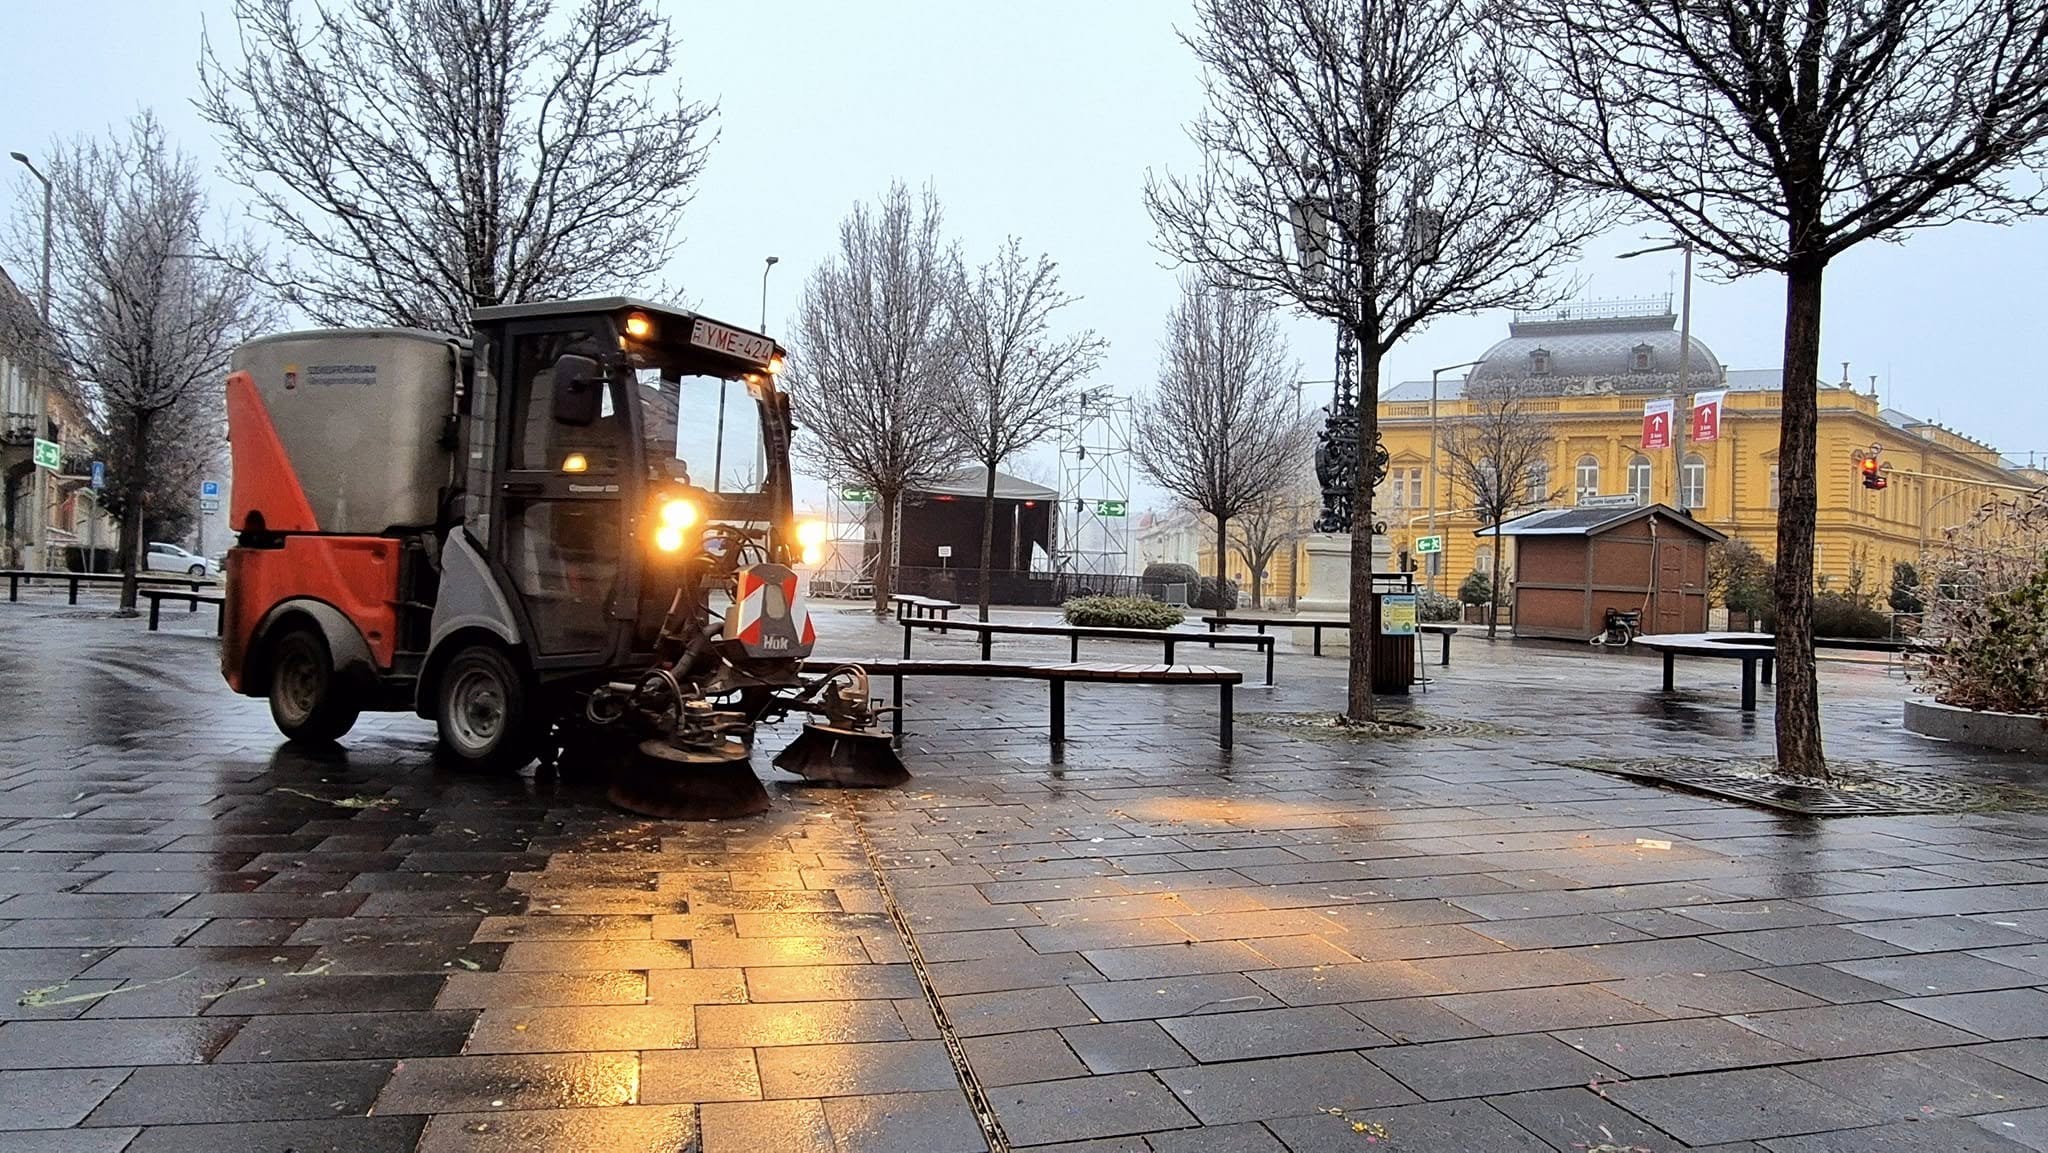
(163, 557)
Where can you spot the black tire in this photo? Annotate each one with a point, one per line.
(198, 570)
(308, 700)
(482, 709)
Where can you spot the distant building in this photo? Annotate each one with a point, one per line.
(1590, 368)
(948, 515)
(1172, 537)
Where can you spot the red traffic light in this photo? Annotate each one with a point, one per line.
(1872, 476)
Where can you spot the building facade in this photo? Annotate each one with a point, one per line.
(1587, 370)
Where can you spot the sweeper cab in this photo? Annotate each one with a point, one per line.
(567, 537)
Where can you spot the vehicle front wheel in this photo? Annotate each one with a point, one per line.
(198, 570)
(481, 708)
(307, 700)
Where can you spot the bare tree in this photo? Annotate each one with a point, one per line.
(1015, 375)
(875, 356)
(1263, 530)
(426, 157)
(144, 319)
(1500, 453)
(1776, 136)
(1220, 431)
(1351, 167)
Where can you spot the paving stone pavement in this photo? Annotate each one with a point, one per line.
(1145, 945)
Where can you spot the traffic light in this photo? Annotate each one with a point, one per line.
(1873, 477)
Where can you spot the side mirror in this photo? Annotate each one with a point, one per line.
(579, 390)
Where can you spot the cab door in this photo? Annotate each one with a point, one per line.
(570, 461)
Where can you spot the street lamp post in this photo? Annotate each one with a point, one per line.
(1684, 368)
(1434, 373)
(39, 523)
(766, 268)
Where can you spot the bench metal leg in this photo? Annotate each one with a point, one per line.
(1074, 648)
(220, 618)
(1169, 650)
(1444, 661)
(192, 606)
(896, 694)
(987, 643)
(1771, 667)
(74, 590)
(13, 588)
(906, 642)
(1670, 665)
(1059, 711)
(1749, 685)
(1316, 631)
(156, 605)
(1226, 724)
(1269, 663)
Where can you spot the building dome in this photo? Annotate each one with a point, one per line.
(1597, 347)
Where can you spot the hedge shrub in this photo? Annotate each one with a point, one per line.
(1121, 612)
(1435, 607)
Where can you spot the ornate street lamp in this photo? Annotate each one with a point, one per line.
(1337, 446)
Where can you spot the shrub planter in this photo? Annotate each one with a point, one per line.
(2017, 732)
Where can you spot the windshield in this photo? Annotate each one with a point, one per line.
(709, 424)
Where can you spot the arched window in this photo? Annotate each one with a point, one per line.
(1539, 483)
(1774, 486)
(1586, 478)
(1692, 482)
(1639, 479)
(1539, 362)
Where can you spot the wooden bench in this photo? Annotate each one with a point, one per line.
(1316, 625)
(910, 607)
(1167, 637)
(1057, 676)
(194, 599)
(18, 577)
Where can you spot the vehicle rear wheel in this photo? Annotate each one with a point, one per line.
(481, 708)
(307, 700)
(198, 570)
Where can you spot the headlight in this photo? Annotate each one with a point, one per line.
(813, 553)
(812, 533)
(668, 538)
(678, 514)
(638, 326)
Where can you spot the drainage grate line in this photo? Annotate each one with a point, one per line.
(970, 1084)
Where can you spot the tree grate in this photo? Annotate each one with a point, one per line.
(1399, 725)
(1856, 790)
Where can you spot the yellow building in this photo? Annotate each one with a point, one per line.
(1591, 366)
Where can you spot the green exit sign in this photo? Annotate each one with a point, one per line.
(1109, 508)
(857, 495)
(49, 454)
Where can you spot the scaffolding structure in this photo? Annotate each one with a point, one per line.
(845, 565)
(1095, 484)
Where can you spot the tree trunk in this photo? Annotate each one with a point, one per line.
(1222, 563)
(1258, 585)
(1358, 700)
(1798, 717)
(1493, 602)
(136, 484)
(885, 565)
(988, 532)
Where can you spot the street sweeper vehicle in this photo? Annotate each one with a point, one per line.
(568, 537)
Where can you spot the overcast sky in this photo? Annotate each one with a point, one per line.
(1041, 120)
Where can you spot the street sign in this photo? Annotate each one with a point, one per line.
(1110, 508)
(49, 454)
(209, 488)
(1424, 545)
(1397, 615)
(99, 474)
(857, 495)
(209, 504)
(1611, 500)
(945, 550)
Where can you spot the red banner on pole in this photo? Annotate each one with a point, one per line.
(1706, 416)
(1657, 423)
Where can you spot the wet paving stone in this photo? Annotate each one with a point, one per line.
(683, 1075)
(855, 1069)
(622, 1128)
(1084, 1108)
(341, 1135)
(104, 1043)
(192, 1094)
(1017, 1058)
(481, 1084)
(1467, 1126)
(1446, 1070)
(1125, 1047)
(345, 1036)
(750, 1126)
(53, 1098)
(1283, 1087)
(66, 1140)
(797, 1023)
(1271, 1033)
(1855, 1030)
(583, 1028)
(1738, 1105)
